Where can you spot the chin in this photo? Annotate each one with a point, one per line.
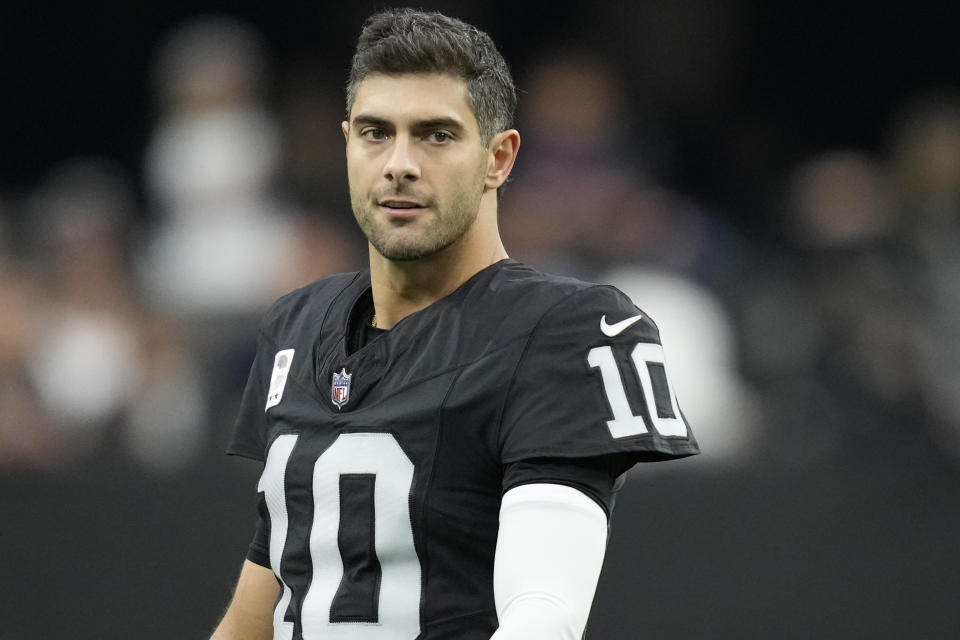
(404, 254)
(399, 252)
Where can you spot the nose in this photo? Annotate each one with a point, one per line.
(401, 164)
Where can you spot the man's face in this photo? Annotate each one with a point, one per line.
(415, 162)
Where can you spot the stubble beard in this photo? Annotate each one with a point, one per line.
(448, 226)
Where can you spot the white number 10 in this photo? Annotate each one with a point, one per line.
(390, 610)
(624, 422)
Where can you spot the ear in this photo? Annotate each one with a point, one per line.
(345, 127)
(501, 155)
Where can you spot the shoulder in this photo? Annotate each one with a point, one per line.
(522, 281)
(311, 304)
(541, 300)
(590, 379)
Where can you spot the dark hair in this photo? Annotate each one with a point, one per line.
(410, 41)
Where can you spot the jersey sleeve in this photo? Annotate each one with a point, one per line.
(249, 436)
(600, 477)
(592, 380)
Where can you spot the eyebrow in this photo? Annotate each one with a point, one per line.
(439, 123)
(370, 120)
(419, 125)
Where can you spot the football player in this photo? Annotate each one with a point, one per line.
(442, 434)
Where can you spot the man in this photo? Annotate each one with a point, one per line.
(444, 433)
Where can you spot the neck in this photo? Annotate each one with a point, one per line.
(403, 287)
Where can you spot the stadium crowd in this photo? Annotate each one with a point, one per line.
(130, 296)
(133, 315)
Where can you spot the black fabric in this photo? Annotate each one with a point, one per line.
(360, 330)
(599, 477)
(357, 598)
(661, 390)
(487, 388)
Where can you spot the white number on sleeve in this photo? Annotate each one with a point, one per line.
(624, 422)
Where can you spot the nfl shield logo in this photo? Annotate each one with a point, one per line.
(340, 389)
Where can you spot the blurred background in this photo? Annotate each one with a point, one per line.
(777, 184)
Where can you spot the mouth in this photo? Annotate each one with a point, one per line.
(400, 208)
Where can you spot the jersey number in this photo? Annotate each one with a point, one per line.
(661, 403)
(361, 497)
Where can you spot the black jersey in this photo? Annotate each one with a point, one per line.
(385, 466)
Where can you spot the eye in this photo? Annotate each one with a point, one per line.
(373, 133)
(439, 137)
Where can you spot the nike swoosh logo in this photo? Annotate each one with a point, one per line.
(611, 330)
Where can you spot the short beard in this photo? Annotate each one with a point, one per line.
(450, 226)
